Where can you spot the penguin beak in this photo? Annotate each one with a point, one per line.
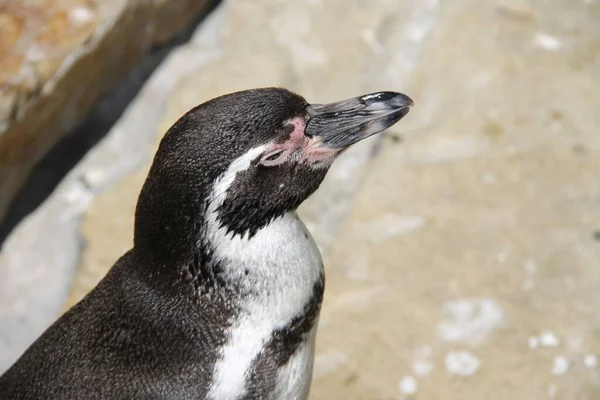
(346, 122)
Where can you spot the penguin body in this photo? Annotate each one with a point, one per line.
(219, 297)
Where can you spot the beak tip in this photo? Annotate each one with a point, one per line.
(387, 99)
(403, 100)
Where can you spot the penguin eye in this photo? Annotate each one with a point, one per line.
(273, 157)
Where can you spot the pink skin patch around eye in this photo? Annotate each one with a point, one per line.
(310, 148)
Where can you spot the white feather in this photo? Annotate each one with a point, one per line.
(293, 380)
(283, 263)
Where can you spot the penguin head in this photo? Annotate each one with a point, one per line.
(249, 157)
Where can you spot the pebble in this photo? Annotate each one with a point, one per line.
(549, 339)
(462, 363)
(590, 360)
(408, 385)
(81, 15)
(560, 365)
(470, 319)
(547, 42)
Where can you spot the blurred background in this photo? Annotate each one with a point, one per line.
(462, 247)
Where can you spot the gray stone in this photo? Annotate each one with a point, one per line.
(58, 58)
(485, 283)
(39, 258)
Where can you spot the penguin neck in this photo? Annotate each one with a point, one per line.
(275, 258)
(280, 257)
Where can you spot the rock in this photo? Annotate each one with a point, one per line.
(34, 285)
(58, 58)
(500, 157)
(171, 15)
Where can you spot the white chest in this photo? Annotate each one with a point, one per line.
(277, 270)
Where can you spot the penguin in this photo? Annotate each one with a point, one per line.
(219, 297)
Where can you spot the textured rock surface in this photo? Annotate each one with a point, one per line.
(462, 261)
(35, 284)
(57, 58)
(469, 262)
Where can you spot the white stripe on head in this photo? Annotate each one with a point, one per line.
(219, 191)
(225, 245)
